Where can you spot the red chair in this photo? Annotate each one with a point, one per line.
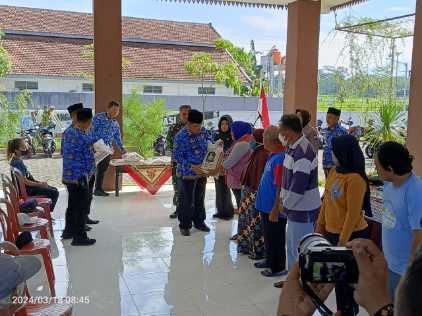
(40, 225)
(41, 309)
(42, 201)
(36, 247)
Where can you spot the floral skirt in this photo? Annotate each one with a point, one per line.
(250, 234)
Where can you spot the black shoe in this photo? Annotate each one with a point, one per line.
(203, 228)
(173, 215)
(92, 221)
(185, 232)
(66, 235)
(270, 274)
(83, 242)
(262, 265)
(87, 228)
(100, 193)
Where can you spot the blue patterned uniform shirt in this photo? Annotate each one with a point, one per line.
(107, 129)
(330, 134)
(78, 158)
(190, 149)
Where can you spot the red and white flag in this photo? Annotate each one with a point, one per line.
(263, 109)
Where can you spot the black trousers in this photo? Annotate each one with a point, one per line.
(178, 193)
(344, 292)
(223, 198)
(78, 204)
(193, 203)
(275, 242)
(238, 196)
(91, 193)
(50, 192)
(101, 170)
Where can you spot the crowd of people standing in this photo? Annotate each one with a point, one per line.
(273, 176)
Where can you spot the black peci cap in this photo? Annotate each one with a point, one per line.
(75, 107)
(334, 111)
(84, 115)
(195, 116)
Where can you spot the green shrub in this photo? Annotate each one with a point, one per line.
(142, 122)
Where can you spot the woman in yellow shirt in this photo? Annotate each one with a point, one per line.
(347, 195)
(346, 200)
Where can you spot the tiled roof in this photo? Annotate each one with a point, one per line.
(75, 23)
(59, 56)
(52, 57)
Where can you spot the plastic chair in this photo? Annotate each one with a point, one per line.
(40, 224)
(36, 247)
(41, 309)
(44, 202)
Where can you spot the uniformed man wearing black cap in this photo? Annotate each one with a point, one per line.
(73, 111)
(190, 149)
(333, 130)
(78, 169)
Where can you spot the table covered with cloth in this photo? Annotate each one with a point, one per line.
(150, 174)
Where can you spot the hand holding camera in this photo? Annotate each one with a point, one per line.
(322, 266)
(371, 291)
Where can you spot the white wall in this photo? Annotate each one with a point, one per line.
(63, 84)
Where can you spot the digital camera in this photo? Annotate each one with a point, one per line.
(320, 262)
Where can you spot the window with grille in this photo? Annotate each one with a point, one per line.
(153, 89)
(26, 85)
(87, 87)
(206, 90)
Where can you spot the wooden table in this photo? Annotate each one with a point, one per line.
(150, 174)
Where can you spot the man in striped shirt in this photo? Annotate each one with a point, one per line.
(300, 193)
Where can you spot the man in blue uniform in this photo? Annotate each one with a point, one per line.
(190, 148)
(106, 127)
(77, 170)
(333, 130)
(73, 111)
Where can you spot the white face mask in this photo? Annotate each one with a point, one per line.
(282, 139)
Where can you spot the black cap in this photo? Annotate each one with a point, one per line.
(195, 116)
(334, 111)
(84, 115)
(75, 107)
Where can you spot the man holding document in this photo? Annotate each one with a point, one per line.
(190, 149)
(106, 127)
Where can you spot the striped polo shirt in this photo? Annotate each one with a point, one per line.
(300, 193)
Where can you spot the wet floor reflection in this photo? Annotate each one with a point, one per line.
(142, 266)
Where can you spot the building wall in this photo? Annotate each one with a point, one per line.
(66, 84)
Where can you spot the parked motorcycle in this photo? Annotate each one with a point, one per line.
(27, 135)
(321, 137)
(160, 146)
(47, 139)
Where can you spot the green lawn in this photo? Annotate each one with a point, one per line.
(354, 104)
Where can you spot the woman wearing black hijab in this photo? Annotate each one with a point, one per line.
(223, 197)
(346, 201)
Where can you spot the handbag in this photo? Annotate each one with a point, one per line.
(28, 206)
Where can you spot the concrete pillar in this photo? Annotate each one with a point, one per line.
(301, 88)
(414, 128)
(108, 60)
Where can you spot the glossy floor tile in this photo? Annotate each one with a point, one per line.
(142, 266)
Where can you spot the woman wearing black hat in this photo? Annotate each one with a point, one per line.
(223, 197)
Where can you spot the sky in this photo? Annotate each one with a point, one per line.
(267, 27)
